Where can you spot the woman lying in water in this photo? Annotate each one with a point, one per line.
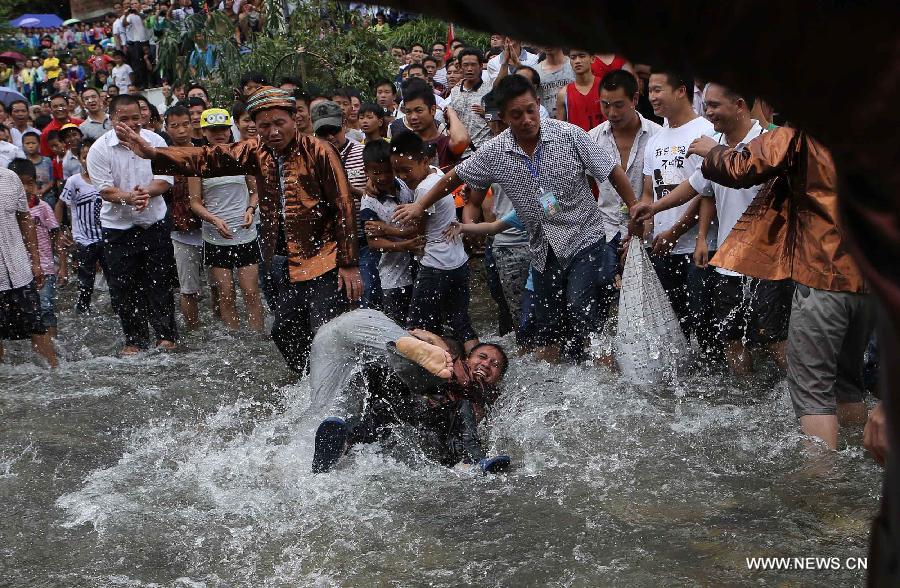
(368, 374)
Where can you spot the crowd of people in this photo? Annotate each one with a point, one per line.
(547, 160)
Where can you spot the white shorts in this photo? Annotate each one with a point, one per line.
(189, 261)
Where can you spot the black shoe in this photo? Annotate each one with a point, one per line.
(495, 465)
(331, 442)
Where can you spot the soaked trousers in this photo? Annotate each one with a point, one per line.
(88, 256)
(140, 285)
(302, 308)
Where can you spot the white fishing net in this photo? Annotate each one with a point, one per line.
(649, 345)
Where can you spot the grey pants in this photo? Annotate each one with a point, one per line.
(827, 338)
(342, 349)
(512, 266)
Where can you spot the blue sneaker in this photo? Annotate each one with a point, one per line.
(495, 465)
(331, 442)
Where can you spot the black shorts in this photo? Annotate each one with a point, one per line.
(754, 310)
(231, 256)
(20, 313)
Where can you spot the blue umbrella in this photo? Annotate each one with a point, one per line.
(8, 96)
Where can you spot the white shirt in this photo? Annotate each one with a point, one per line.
(121, 77)
(16, 134)
(118, 30)
(111, 164)
(8, 152)
(15, 265)
(610, 203)
(493, 66)
(730, 202)
(394, 267)
(135, 31)
(440, 76)
(667, 164)
(439, 253)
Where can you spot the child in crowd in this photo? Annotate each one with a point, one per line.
(372, 123)
(48, 233)
(31, 145)
(58, 148)
(441, 290)
(395, 266)
(245, 125)
(71, 137)
(84, 203)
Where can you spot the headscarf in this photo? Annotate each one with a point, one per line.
(266, 97)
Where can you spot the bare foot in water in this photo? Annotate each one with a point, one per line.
(431, 357)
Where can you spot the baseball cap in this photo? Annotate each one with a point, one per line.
(215, 117)
(327, 114)
(66, 127)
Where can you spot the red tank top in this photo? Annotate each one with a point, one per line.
(600, 69)
(584, 110)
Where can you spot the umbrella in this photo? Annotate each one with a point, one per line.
(11, 57)
(71, 21)
(28, 22)
(7, 96)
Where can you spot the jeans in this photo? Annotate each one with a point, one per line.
(513, 264)
(691, 291)
(302, 308)
(495, 287)
(273, 279)
(396, 303)
(442, 296)
(371, 281)
(47, 295)
(566, 296)
(87, 257)
(609, 265)
(140, 281)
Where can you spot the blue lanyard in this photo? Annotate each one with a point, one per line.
(534, 163)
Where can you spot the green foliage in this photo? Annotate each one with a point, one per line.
(320, 45)
(428, 31)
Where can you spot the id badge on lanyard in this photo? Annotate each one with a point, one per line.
(547, 198)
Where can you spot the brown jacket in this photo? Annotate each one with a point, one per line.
(319, 217)
(791, 229)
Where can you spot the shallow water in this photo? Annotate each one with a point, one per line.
(192, 468)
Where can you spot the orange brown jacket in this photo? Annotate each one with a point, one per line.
(792, 228)
(318, 215)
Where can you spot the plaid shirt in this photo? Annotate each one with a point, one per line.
(462, 101)
(567, 155)
(15, 265)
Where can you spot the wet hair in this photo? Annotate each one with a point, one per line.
(122, 100)
(385, 82)
(619, 78)
(512, 87)
(377, 152)
(31, 134)
(676, 79)
(473, 52)
(22, 167)
(734, 96)
(252, 76)
(177, 110)
(411, 145)
(418, 89)
(499, 349)
(373, 108)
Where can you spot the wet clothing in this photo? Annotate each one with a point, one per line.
(750, 309)
(355, 375)
(20, 313)
(305, 204)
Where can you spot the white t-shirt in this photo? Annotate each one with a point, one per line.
(730, 202)
(121, 77)
(439, 253)
(394, 267)
(667, 164)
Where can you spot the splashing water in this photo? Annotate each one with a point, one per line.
(192, 469)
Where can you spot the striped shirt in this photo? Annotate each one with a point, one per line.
(352, 160)
(83, 198)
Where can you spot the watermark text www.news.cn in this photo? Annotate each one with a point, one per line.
(806, 563)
